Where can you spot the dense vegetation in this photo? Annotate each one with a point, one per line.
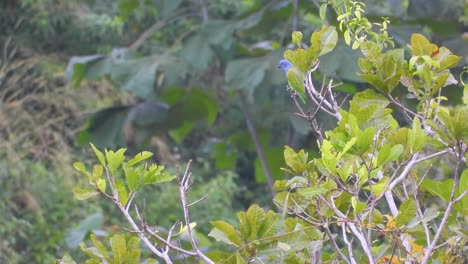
(198, 80)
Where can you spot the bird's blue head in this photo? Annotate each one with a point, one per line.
(284, 65)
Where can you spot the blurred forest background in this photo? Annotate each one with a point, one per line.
(185, 79)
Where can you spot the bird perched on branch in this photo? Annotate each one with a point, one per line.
(295, 78)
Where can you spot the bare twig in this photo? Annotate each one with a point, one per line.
(349, 244)
(184, 185)
(450, 205)
(356, 231)
(142, 235)
(335, 245)
(256, 141)
(167, 243)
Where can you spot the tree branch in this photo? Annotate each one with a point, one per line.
(256, 141)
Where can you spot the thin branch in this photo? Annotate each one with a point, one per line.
(142, 235)
(440, 153)
(409, 166)
(184, 185)
(335, 245)
(147, 33)
(256, 141)
(350, 246)
(450, 205)
(161, 239)
(419, 210)
(199, 200)
(358, 233)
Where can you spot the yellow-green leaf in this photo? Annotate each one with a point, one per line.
(119, 248)
(83, 194)
(421, 46)
(296, 37)
(98, 154)
(139, 158)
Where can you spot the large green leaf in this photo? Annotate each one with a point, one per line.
(223, 231)
(440, 189)
(342, 62)
(246, 74)
(76, 235)
(200, 48)
(420, 45)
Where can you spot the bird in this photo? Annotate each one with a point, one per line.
(295, 78)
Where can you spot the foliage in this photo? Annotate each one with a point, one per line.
(369, 196)
(183, 69)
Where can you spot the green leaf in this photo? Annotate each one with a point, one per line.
(449, 62)
(439, 82)
(225, 156)
(81, 168)
(66, 259)
(296, 37)
(357, 205)
(99, 246)
(373, 80)
(300, 59)
(388, 154)
(97, 171)
(379, 187)
(119, 248)
(372, 51)
(323, 10)
(83, 194)
(98, 154)
(347, 37)
(406, 212)
(126, 7)
(139, 158)
(417, 136)
(183, 228)
(296, 161)
(348, 145)
(364, 140)
(246, 73)
(122, 191)
(199, 49)
(270, 226)
(255, 216)
(328, 40)
(101, 184)
(76, 68)
(421, 46)
(440, 189)
(115, 159)
(133, 243)
(132, 176)
(179, 134)
(137, 76)
(311, 192)
(75, 236)
(154, 175)
(225, 232)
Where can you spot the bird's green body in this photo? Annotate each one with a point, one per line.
(295, 78)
